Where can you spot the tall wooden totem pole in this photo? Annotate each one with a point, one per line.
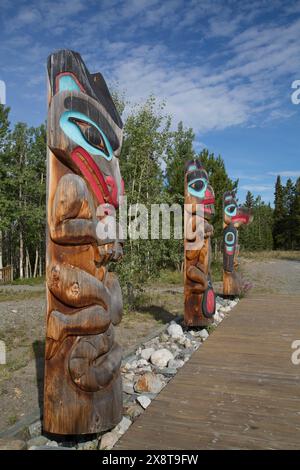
(199, 296)
(233, 217)
(83, 390)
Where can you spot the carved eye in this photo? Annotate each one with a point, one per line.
(91, 134)
(199, 185)
(231, 209)
(229, 238)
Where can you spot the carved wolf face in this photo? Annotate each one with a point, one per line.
(84, 127)
(197, 188)
(232, 213)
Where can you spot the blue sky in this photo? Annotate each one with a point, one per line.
(224, 68)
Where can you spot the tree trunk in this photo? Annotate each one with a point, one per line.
(40, 263)
(36, 262)
(28, 270)
(21, 258)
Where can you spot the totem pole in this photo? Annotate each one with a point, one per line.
(199, 296)
(233, 218)
(83, 389)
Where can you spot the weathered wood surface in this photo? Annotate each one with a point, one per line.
(83, 391)
(6, 274)
(199, 199)
(240, 390)
(234, 217)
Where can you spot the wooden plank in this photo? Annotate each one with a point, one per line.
(240, 390)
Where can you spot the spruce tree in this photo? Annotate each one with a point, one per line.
(295, 217)
(279, 216)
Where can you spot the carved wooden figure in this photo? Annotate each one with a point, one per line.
(83, 390)
(233, 217)
(199, 296)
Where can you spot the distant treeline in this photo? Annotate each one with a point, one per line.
(152, 165)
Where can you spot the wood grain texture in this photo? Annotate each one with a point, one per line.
(83, 390)
(233, 218)
(199, 297)
(240, 390)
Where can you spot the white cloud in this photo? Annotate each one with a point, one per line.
(256, 187)
(286, 173)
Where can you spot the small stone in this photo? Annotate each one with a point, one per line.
(14, 311)
(133, 410)
(217, 317)
(185, 353)
(168, 371)
(142, 363)
(49, 447)
(203, 334)
(37, 441)
(161, 357)
(35, 429)
(90, 445)
(128, 387)
(175, 363)
(143, 401)
(122, 427)
(163, 338)
(225, 309)
(175, 331)
(129, 376)
(142, 370)
(52, 443)
(146, 353)
(148, 382)
(152, 343)
(133, 365)
(108, 440)
(181, 340)
(12, 444)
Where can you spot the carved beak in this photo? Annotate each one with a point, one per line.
(243, 216)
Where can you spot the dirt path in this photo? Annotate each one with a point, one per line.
(273, 275)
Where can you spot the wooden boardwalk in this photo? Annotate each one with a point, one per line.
(240, 390)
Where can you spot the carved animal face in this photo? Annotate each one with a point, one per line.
(85, 129)
(234, 214)
(197, 188)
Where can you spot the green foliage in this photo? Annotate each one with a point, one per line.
(286, 228)
(23, 197)
(146, 134)
(257, 236)
(179, 151)
(168, 276)
(295, 217)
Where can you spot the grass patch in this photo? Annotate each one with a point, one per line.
(31, 281)
(167, 276)
(9, 295)
(12, 419)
